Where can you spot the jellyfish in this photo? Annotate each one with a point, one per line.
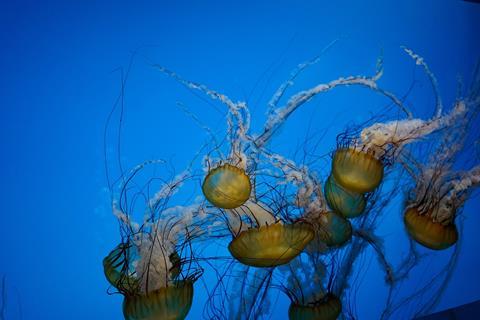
(356, 170)
(348, 203)
(118, 271)
(437, 198)
(284, 243)
(440, 191)
(308, 282)
(148, 299)
(423, 227)
(172, 302)
(154, 265)
(227, 187)
(270, 243)
(329, 308)
(334, 230)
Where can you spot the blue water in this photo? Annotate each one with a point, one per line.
(58, 83)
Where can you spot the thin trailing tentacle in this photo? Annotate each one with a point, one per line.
(238, 126)
(279, 115)
(272, 104)
(433, 80)
(380, 251)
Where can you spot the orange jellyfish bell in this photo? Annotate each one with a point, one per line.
(328, 309)
(227, 187)
(356, 171)
(271, 245)
(333, 229)
(168, 303)
(429, 233)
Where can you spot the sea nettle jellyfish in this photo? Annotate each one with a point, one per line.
(262, 237)
(308, 283)
(343, 201)
(440, 192)
(328, 308)
(153, 266)
(227, 187)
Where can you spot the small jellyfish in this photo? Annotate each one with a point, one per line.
(329, 308)
(227, 186)
(348, 203)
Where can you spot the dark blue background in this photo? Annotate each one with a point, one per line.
(57, 87)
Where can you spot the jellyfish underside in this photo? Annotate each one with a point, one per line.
(328, 309)
(356, 171)
(429, 233)
(168, 303)
(270, 245)
(348, 203)
(333, 229)
(227, 187)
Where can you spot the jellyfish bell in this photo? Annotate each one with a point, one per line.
(227, 186)
(348, 203)
(429, 233)
(329, 308)
(116, 267)
(153, 283)
(357, 170)
(167, 298)
(167, 303)
(271, 245)
(333, 229)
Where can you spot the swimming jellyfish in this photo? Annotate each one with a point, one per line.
(440, 191)
(153, 266)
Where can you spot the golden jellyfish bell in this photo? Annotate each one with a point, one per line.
(329, 309)
(348, 203)
(270, 245)
(116, 269)
(356, 171)
(333, 229)
(168, 303)
(227, 187)
(428, 233)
